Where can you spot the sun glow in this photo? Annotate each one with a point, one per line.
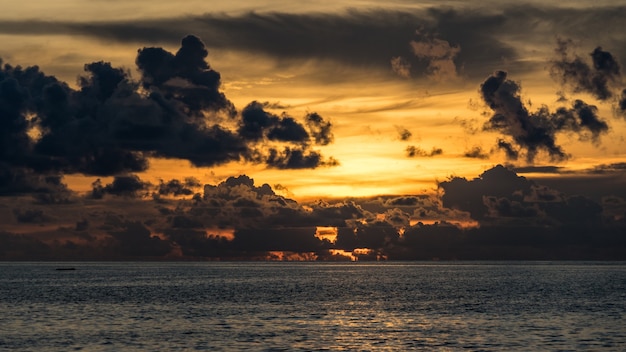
(326, 233)
(225, 234)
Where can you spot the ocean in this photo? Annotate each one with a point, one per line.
(287, 306)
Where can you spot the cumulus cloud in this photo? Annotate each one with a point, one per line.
(500, 195)
(498, 215)
(177, 188)
(128, 186)
(112, 124)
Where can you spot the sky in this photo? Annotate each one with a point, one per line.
(334, 130)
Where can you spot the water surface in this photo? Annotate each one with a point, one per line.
(312, 306)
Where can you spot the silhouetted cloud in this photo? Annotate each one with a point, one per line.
(413, 151)
(476, 153)
(319, 129)
(596, 78)
(608, 168)
(185, 76)
(177, 188)
(606, 180)
(534, 132)
(499, 194)
(130, 186)
(468, 195)
(403, 133)
(32, 216)
(403, 201)
(134, 239)
(112, 124)
(259, 124)
(512, 217)
(297, 158)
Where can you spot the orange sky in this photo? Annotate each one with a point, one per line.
(408, 89)
(367, 109)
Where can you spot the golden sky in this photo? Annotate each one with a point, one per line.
(414, 93)
(368, 104)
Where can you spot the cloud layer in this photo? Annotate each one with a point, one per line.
(497, 215)
(467, 38)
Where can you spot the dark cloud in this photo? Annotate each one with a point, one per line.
(177, 188)
(112, 124)
(606, 180)
(499, 195)
(258, 124)
(413, 151)
(301, 239)
(581, 117)
(185, 77)
(130, 186)
(127, 186)
(236, 219)
(46, 189)
(320, 130)
(368, 38)
(467, 195)
(608, 168)
(403, 133)
(402, 201)
(513, 119)
(297, 158)
(509, 150)
(595, 78)
(31, 216)
(534, 132)
(134, 239)
(622, 103)
(505, 207)
(18, 247)
(476, 153)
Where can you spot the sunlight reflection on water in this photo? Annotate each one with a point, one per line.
(311, 306)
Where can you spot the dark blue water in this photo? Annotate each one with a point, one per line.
(312, 306)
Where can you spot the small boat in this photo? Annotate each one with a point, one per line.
(65, 269)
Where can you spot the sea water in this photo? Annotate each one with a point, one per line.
(138, 306)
